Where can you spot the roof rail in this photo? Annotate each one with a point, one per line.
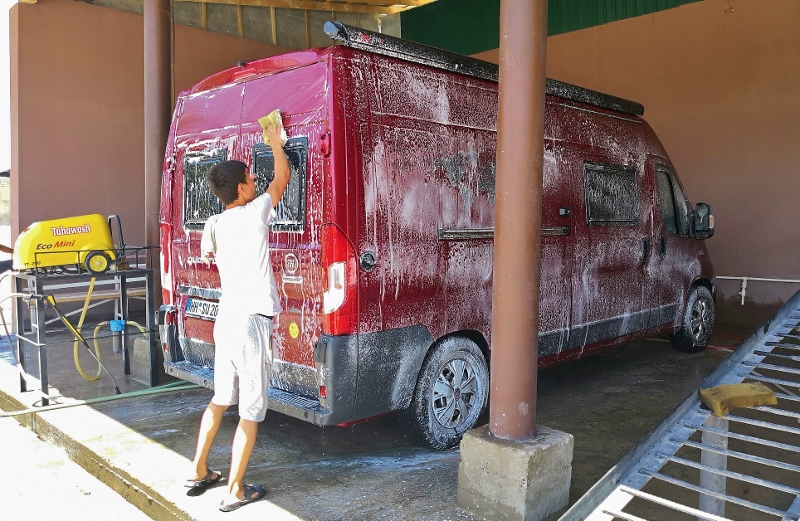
(415, 52)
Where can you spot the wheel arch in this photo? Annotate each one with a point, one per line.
(704, 282)
(470, 334)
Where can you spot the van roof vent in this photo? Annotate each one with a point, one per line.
(415, 52)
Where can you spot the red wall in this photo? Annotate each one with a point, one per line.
(722, 90)
(77, 107)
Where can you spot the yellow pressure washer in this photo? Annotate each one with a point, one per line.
(83, 242)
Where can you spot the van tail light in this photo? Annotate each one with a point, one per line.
(339, 300)
(166, 320)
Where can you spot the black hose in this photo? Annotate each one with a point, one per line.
(52, 300)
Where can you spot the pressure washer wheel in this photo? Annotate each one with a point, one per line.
(97, 262)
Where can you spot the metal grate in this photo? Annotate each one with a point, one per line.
(743, 466)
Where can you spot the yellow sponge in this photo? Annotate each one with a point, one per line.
(724, 398)
(272, 119)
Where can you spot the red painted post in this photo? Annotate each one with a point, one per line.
(518, 219)
(157, 115)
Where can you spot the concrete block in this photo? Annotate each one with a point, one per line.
(140, 361)
(514, 481)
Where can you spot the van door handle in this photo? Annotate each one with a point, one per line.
(645, 248)
(662, 248)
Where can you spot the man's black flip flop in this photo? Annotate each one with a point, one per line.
(198, 486)
(252, 493)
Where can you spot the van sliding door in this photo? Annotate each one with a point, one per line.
(613, 245)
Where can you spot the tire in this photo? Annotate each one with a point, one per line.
(450, 396)
(697, 322)
(97, 262)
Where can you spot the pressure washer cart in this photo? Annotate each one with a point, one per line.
(61, 261)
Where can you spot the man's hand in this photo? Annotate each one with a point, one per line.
(281, 180)
(273, 134)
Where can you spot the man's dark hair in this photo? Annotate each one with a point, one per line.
(223, 179)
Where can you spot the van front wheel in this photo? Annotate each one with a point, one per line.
(696, 323)
(451, 393)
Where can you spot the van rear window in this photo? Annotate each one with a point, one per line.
(199, 203)
(612, 194)
(291, 209)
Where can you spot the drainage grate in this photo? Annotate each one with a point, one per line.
(744, 466)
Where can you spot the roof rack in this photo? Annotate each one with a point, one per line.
(415, 52)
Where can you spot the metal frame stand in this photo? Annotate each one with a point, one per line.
(35, 287)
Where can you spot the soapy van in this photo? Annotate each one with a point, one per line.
(382, 248)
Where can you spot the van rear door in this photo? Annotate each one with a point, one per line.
(207, 133)
(301, 94)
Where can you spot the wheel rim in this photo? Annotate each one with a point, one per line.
(98, 263)
(454, 393)
(701, 320)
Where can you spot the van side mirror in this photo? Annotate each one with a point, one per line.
(703, 222)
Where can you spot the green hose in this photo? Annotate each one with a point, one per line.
(174, 386)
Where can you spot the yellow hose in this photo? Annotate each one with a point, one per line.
(78, 335)
(101, 324)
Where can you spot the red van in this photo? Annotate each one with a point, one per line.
(382, 248)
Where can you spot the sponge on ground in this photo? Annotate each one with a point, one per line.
(272, 119)
(724, 398)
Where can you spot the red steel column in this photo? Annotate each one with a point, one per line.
(157, 114)
(518, 218)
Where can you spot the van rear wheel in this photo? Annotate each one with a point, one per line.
(696, 323)
(451, 393)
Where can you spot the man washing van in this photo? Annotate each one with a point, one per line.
(238, 239)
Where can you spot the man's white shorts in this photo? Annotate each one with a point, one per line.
(243, 363)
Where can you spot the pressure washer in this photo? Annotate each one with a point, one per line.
(75, 245)
(72, 245)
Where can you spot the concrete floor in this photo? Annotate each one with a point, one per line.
(48, 485)
(608, 402)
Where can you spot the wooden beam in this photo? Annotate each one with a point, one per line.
(272, 24)
(308, 32)
(27, 1)
(203, 16)
(381, 7)
(239, 21)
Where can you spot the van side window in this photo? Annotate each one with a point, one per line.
(667, 202)
(612, 194)
(674, 207)
(291, 209)
(199, 203)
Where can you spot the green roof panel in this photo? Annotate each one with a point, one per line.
(473, 26)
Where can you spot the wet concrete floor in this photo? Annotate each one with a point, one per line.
(608, 402)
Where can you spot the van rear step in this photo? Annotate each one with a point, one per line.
(191, 373)
(294, 405)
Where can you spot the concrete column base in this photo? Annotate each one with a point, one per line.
(514, 481)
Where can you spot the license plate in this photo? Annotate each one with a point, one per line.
(199, 308)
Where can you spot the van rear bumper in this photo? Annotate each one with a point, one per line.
(290, 404)
(383, 365)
